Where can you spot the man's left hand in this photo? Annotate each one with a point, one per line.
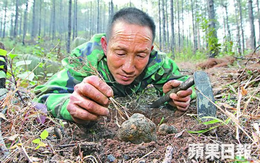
(180, 100)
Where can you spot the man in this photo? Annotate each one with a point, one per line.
(120, 63)
(3, 70)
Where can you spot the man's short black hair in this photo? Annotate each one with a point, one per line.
(131, 15)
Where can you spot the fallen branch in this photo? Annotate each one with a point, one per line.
(168, 155)
(3, 147)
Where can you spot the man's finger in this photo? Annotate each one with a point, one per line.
(185, 93)
(91, 92)
(88, 106)
(100, 85)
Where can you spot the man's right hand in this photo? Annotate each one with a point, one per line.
(89, 100)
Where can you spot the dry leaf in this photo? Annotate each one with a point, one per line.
(2, 116)
(232, 116)
(243, 91)
(12, 138)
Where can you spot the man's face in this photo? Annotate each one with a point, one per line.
(127, 51)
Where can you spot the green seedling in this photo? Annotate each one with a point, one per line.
(38, 141)
(214, 120)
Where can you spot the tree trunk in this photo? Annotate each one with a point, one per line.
(172, 30)
(16, 18)
(241, 25)
(160, 30)
(195, 43)
(5, 10)
(40, 20)
(251, 22)
(182, 19)
(164, 25)
(75, 21)
(228, 29)
(69, 26)
(167, 27)
(25, 21)
(98, 17)
(33, 20)
(212, 27)
(53, 19)
(258, 17)
(238, 30)
(179, 28)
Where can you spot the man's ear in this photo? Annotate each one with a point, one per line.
(104, 44)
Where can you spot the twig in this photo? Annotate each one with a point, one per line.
(226, 113)
(3, 147)
(24, 152)
(252, 55)
(168, 155)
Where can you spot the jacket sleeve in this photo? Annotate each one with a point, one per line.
(170, 71)
(55, 94)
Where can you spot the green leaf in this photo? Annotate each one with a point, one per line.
(44, 134)
(12, 56)
(3, 52)
(36, 141)
(38, 147)
(213, 121)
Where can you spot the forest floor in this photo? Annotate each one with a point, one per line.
(237, 94)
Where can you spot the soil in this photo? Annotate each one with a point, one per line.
(98, 142)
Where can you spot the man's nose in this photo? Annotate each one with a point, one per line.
(128, 66)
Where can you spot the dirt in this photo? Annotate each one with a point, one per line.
(98, 142)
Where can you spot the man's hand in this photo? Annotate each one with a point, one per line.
(180, 100)
(89, 100)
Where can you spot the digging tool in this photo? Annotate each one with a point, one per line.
(200, 79)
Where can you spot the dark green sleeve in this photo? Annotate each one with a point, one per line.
(169, 71)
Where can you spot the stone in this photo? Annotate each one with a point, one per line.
(137, 129)
(165, 129)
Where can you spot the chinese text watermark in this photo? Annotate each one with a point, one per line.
(217, 151)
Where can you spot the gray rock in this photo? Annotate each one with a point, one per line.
(137, 129)
(164, 129)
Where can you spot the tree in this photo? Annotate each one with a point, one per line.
(241, 25)
(213, 40)
(5, 11)
(164, 25)
(25, 21)
(251, 22)
(172, 30)
(98, 17)
(16, 18)
(258, 16)
(69, 26)
(195, 42)
(75, 20)
(53, 24)
(33, 32)
(160, 30)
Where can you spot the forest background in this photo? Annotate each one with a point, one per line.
(185, 28)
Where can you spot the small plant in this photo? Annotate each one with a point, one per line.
(38, 141)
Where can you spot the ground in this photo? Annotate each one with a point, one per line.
(236, 91)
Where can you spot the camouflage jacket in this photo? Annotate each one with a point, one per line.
(88, 59)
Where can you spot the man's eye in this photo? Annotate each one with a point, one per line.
(141, 55)
(120, 54)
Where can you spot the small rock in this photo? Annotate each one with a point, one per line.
(165, 129)
(137, 129)
(111, 158)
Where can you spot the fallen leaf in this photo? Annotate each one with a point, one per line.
(13, 137)
(179, 134)
(244, 91)
(2, 116)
